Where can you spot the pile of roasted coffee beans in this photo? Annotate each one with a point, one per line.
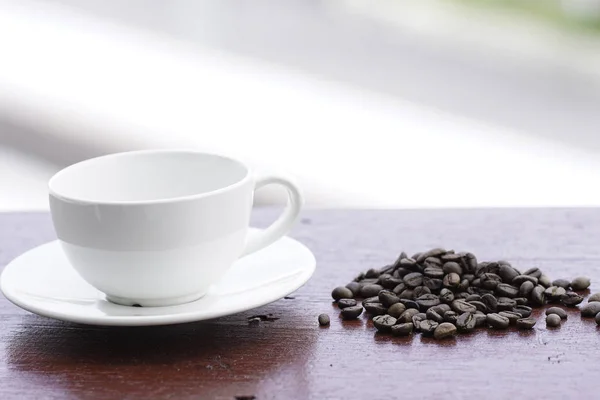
(440, 292)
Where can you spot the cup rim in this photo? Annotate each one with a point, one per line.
(87, 201)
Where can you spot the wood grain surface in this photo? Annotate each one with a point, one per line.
(292, 357)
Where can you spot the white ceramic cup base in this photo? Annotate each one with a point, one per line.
(171, 301)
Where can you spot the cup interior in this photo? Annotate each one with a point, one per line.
(146, 176)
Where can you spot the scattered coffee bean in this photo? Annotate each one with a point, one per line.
(375, 308)
(409, 303)
(434, 316)
(413, 279)
(420, 291)
(518, 280)
(507, 273)
(388, 298)
(342, 292)
(396, 310)
(538, 297)
(506, 290)
(417, 319)
(594, 297)
(345, 303)
(554, 293)
(407, 315)
(451, 316)
(544, 281)
(444, 330)
(354, 288)
(552, 320)
(525, 311)
(490, 301)
(526, 288)
(461, 306)
(506, 304)
(535, 272)
(446, 295)
(563, 283)
(384, 323)
(590, 309)
(324, 320)
(370, 290)
(580, 283)
(497, 321)
(352, 312)
(428, 327)
(558, 311)
(480, 319)
(571, 299)
(404, 329)
(526, 323)
(466, 322)
(511, 315)
(451, 280)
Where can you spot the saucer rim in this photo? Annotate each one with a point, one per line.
(13, 296)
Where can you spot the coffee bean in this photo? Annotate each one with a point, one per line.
(417, 319)
(476, 282)
(471, 262)
(409, 303)
(594, 297)
(375, 308)
(399, 288)
(323, 319)
(427, 300)
(598, 318)
(507, 273)
(521, 301)
(368, 281)
(452, 266)
(342, 292)
(544, 281)
(446, 296)
(469, 277)
(512, 316)
(444, 330)
(497, 321)
(413, 279)
(370, 290)
(518, 281)
(374, 299)
(580, 283)
(354, 288)
(490, 281)
(441, 308)
(473, 297)
(433, 262)
(404, 329)
(461, 306)
(466, 322)
(563, 283)
(360, 277)
(408, 263)
(372, 273)
(479, 305)
(434, 316)
(480, 319)
(535, 272)
(407, 315)
(432, 284)
(434, 272)
(506, 304)
(450, 316)
(401, 273)
(526, 323)
(525, 311)
(554, 293)
(506, 290)
(406, 294)
(389, 282)
(352, 312)
(558, 311)
(420, 291)
(590, 309)
(526, 288)
(384, 323)
(538, 297)
(431, 253)
(490, 302)
(427, 327)
(396, 310)
(552, 320)
(451, 280)
(388, 298)
(463, 286)
(345, 303)
(571, 299)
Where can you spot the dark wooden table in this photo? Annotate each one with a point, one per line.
(292, 357)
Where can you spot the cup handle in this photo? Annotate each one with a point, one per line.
(284, 223)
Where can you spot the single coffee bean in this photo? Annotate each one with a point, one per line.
(479, 305)
(433, 284)
(389, 282)
(453, 257)
(401, 272)
(554, 293)
(451, 280)
(427, 327)
(404, 329)
(417, 319)
(375, 308)
(521, 301)
(407, 315)
(434, 316)
(324, 320)
(471, 262)
(434, 272)
(490, 301)
(518, 280)
(506, 290)
(396, 310)
(452, 266)
(594, 297)
(466, 322)
(354, 288)
(563, 283)
(446, 296)
(413, 279)
(407, 294)
(506, 304)
(497, 321)
(571, 299)
(450, 316)
(507, 272)
(511, 315)
(345, 303)
(538, 298)
(526, 323)
(409, 303)
(590, 309)
(480, 319)
(535, 272)
(526, 288)
(476, 282)
(580, 283)
(352, 312)
(469, 277)
(420, 291)
(493, 268)
(558, 311)
(399, 288)
(490, 281)
(444, 330)
(408, 263)
(441, 308)
(463, 286)
(372, 273)
(342, 292)
(552, 320)
(433, 262)
(427, 300)
(461, 295)
(461, 306)
(368, 281)
(370, 290)
(388, 298)
(473, 297)
(437, 252)
(544, 281)
(384, 323)
(525, 311)
(374, 299)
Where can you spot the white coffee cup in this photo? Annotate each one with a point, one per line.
(159, 227)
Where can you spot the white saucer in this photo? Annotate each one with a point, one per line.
(42, 281)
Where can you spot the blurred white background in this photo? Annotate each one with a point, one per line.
(382, 103)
